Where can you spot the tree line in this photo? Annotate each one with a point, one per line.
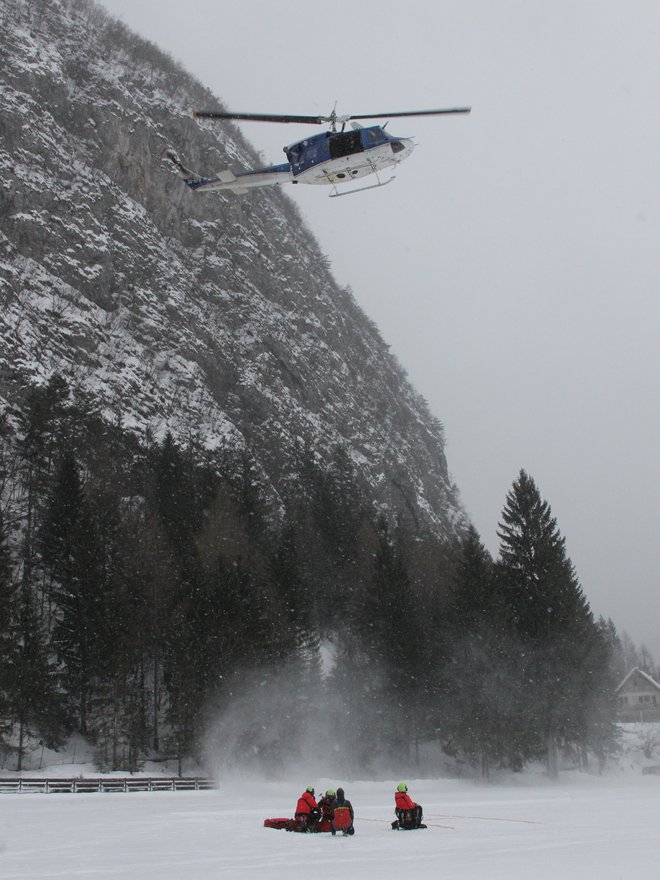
(144, 583)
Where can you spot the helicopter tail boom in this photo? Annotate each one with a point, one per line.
(226, 180)
(243, 181)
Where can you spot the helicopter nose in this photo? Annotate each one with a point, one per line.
(402, 148)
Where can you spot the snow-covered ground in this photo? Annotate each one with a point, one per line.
(578, 827)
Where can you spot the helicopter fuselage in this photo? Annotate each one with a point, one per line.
(337, 157)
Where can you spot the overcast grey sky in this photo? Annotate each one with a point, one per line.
(514, 265)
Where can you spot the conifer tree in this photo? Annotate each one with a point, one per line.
(478, 710)
(549, 618)
(150, 583)
(36, 702)
(28, 699)
(175, 500)
(293, 600)
(72, 549)
(388, 624)
(9, 640)
(595, 724)
(330, 512)
(43, 424)
(120, 717)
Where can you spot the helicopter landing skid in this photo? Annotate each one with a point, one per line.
(335, 193)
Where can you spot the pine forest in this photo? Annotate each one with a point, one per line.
(144, 584)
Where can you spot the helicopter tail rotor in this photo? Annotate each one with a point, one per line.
(172, 156)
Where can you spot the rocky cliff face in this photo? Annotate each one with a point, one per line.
(207, 315)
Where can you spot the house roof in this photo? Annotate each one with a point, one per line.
(644, 675)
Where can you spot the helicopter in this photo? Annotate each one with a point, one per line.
(334, 157)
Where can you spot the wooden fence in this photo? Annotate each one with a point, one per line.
(52, 785)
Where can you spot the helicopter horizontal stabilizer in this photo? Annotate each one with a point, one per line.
(229, 178)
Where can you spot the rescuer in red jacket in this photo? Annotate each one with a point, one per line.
(408, 813)
(307, 810)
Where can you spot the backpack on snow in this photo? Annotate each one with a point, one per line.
(342, 818)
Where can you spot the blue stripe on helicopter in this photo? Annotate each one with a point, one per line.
(196, 182)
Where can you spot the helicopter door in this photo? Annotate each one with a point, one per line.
(345, 144)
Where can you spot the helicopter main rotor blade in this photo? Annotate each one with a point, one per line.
(261, 117)
(411, 113)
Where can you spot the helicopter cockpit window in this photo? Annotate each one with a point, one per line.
(345, 144)
(313, 152)
(374, 136)
(293, 154)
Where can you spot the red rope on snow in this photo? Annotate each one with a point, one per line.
(490, 819)
(446, 827)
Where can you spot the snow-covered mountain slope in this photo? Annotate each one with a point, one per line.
(214, 316)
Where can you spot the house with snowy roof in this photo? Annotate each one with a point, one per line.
(638, 697)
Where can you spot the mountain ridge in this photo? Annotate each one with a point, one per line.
(214, 317)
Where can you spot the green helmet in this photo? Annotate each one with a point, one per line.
(310, 789)
(402, 787)
(330, 792)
